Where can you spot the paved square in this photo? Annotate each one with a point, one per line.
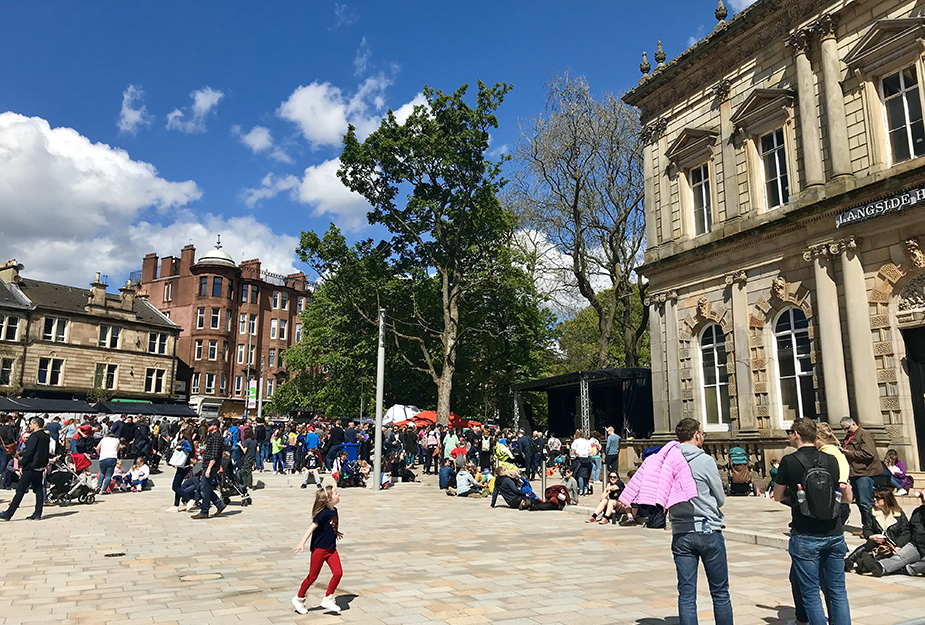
(410, 555)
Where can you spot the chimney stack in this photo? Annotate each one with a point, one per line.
(97, 292)
(127, 296)
(9, 272)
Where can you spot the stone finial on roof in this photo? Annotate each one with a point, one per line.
(660, 57)
(721, 12)
(645, 66)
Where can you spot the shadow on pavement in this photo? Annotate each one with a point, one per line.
(784, 614)
(658, 621)
(46, 515)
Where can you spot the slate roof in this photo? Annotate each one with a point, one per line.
(8, 298)
(71, 299)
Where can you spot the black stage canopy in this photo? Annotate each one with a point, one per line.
(146, 408)
(37, 404)
(621, 398)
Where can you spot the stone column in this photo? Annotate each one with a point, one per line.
(664, 192)
(730, 189)
(834, 372)
(659, 373)
(809, 122)
(863, 366)
(650, 208)
(834, 98)
(745, 395)
(675, 405)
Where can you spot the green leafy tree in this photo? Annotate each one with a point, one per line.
(449, 236)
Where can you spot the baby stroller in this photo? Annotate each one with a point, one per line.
(228, 486)
(69, 481)
(740, 476)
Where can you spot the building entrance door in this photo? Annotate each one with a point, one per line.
(915, 364)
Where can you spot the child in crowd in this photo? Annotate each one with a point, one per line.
(324, 534)
(312, 469)
(571, 484)
(139, 475)
(118, 476)
(775, 465)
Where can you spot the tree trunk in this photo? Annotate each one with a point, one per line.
(450, 332)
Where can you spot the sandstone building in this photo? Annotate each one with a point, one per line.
(61, 342)
(233, 317)
(784, 174)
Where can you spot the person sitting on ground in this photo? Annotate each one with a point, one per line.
(466, 485)
(400, 470)
(447, 477)
(909, 557)
(609, 497)
(891, 525)
(138, 475)
(901, 482)
(311, 466)
(508, 489)
(189, 491)
(12, 473)
(571, 484)
(118, 481)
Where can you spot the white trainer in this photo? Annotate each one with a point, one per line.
(190, 505)
(171, 509)
(329, 604)
(901, 492)
(299, 604)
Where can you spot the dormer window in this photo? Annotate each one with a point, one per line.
(692, 154)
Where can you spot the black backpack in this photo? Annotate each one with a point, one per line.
(819, 488)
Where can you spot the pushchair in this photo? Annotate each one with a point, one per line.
(740, 476)
(69, 481)
(350, 477)
(229, 486)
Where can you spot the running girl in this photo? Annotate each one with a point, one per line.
(323, 547)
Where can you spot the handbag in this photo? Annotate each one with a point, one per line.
(179, 459)
(10, 449)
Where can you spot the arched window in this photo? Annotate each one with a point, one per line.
(715, 377)
(794, 368)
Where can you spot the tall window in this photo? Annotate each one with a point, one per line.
(6, 371)
(238, 384)
(794, 368)
(194, 384)
(700, 187)
(902, 103)
(203, 286)
(105, 376)
(301, 304)
(200, 318)
(774, 157)
(227, 320)
(225, 351)
(50, 371)
(230, 290)
(298, 332)
(109, 336)
(275, 299)
(157, 343)
(241, 350)
(253, 325)
(715, 375)
(271, 385)
(250, 355)
(271, 357)
(54, 329)
(198, 353)
(255, 293)
(284, 300)
(9, 327)
(274, 326)
(244, 290)
(223, 385)
(217, 286)
(242, 323)
(210, 384)
(168, 291)
(213, 349)
(216, 318)
(282, 329)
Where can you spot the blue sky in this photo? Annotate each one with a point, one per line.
(136, 127)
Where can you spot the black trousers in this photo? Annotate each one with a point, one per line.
(30, 479)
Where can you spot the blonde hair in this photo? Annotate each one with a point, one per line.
(322, 498)
(825, 434)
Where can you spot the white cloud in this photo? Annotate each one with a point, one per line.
(320, 188)
(404, 111)
(205, 101)
(260, 140)
(322, 111)
(343, 16)
(131, 118)
(361, 60)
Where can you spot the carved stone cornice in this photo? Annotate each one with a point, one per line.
(737, 277)
(661, 298)
(654, 131)
(831, 249)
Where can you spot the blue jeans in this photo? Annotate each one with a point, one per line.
(595, 468)
(107, 467)
(177, 483)
(818, 563)
(207, 491)
(863, 488)
(688, 550)
(279, 461)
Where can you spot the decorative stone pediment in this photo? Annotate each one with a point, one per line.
(691, 145)
(763, 106)
(885, 42)
(912, 297)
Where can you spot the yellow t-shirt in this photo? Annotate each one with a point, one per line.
(293, 437)
(832, 450)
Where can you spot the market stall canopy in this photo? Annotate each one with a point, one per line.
(146, 408)
(429, 417)
(51, 406)
(399, 412)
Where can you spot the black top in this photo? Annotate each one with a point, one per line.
(260, 432)
(35, 454)
(8, 434)
(250, 450)
(128, 431)
(791, 473)
(336, 437)
(350, 435)
(325, 535)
